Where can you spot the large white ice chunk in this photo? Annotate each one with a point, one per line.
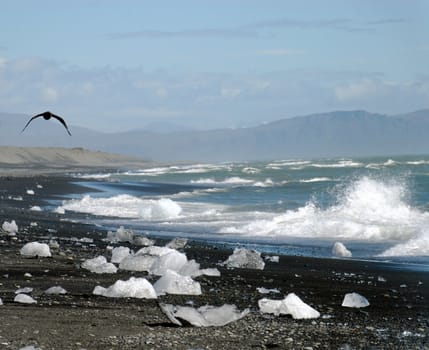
(24, 299)
(36, 249)
(99, 265)
(173, 283)
(354, 300)
(291, 305)
(10, 227)
(340, 250)
(132, 288)
(204, 316)
(246, 259)
(119, 253)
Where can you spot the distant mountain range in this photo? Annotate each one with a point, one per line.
(333, 134)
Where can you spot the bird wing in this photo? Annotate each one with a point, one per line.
(62, 121)
(36, 116)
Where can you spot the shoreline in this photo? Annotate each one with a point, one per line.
(397, 318)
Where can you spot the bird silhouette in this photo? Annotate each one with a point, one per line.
(48, 115)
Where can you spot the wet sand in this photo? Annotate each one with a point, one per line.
(397, 318)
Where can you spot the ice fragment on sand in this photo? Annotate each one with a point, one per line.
(263, 290)
(177, 243)
(35, 208)
(36, 249)
(24, 290)
(132, 288)
(1, 302)
(204, 316)
(119, 253)
(355, 300)
(137, 263)
(274, 258)
(171, 261)
(30, 192)
(24, 299)
(290, 305)
(143, 241)
(99, 265)
(10, 227)
(340, 250)
(244, 258)
(55, 290)
(173, 283)
(29, 347)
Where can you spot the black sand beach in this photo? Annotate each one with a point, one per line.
(397, 318)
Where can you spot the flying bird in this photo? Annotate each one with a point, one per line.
(48, 115)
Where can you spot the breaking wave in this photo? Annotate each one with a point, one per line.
(367, 210)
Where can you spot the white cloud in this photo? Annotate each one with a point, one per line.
(132, 98)
(49, 94)
(358, 90)
(230, 92)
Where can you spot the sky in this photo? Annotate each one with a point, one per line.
(115, 65)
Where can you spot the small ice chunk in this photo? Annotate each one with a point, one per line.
(56, 290)
(29, 347)
(132, 288)
(99, 265)
(143, 241)
(137, 263)
(34, 224)
(27, 274)
(24, 290)
(119, 253)
(24, 299)
(355, 300)
(121, 235)
(177, 243)
(59, 210)
(340, 250)
(191, 268)
(155, 250)
(246, 259)
(205, 316)
(1, 302)
(213, 272)
(173, 283)
(381, 279)
(36, 249)
(35, 208)
(274, 258)
(290, 305)
(30, 192)
(39, 186)
(10, 227)
(263, 290)
(54, 244)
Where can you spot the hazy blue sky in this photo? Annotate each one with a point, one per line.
(118, 65)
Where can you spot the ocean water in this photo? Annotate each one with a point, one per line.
(377, 207)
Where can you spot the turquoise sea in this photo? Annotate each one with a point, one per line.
(378, 208)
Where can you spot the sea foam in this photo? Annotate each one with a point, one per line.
(368, 209)
(126, 206)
